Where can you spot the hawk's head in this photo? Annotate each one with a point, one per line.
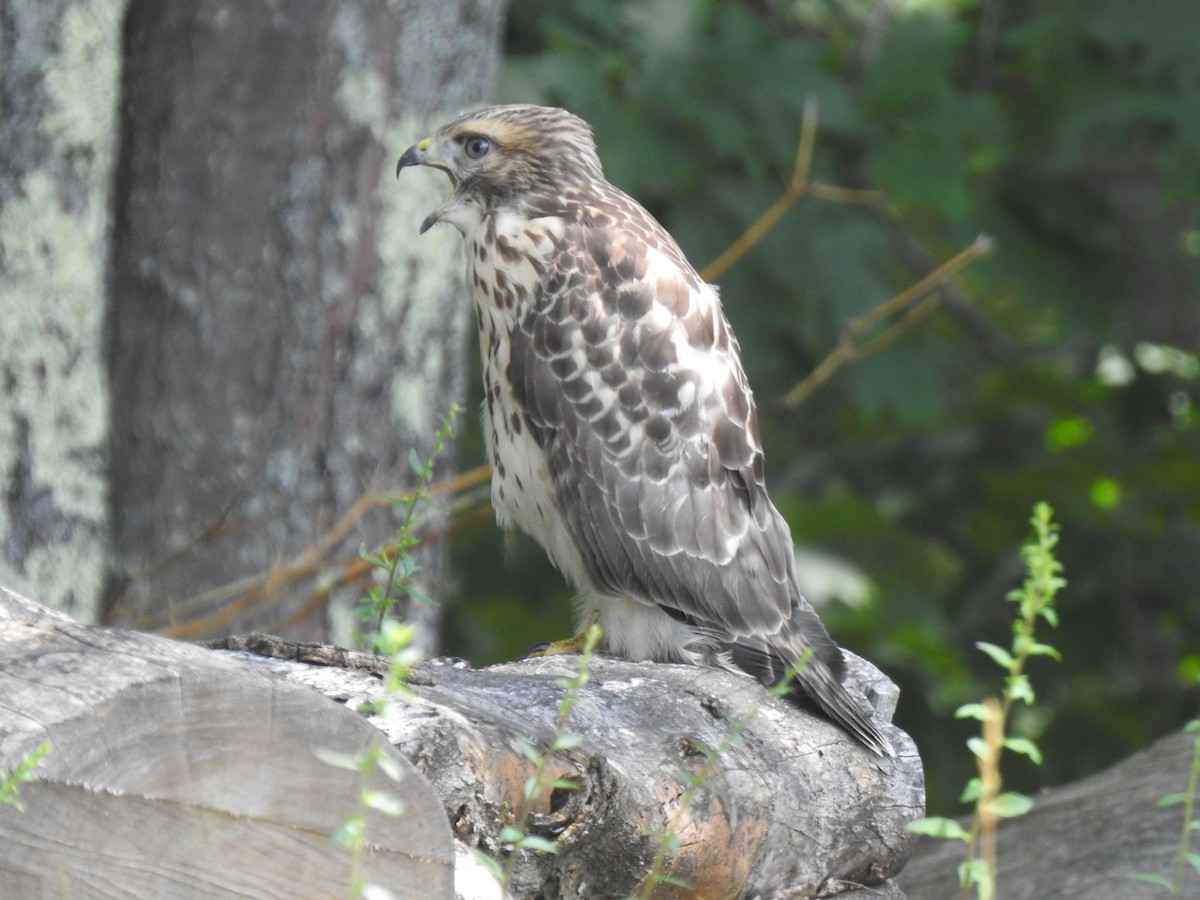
(503, 154)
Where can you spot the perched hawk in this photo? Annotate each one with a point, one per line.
(619, 424)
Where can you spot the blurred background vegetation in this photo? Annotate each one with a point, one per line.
(1061, 368)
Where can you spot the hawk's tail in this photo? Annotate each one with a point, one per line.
(817, 672)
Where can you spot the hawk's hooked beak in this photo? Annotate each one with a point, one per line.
(418, 155)
(414, 156)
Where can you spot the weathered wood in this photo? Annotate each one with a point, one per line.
(791, 807)
(176, 772)
(1082, 841)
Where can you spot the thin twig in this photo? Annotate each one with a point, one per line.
(798, 186)
(850, 349)
(236, 596)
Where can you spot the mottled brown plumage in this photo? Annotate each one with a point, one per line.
(619, 422)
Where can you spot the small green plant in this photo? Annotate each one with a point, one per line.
(1185, 855)
(10, 783)
(394, 640)
(517, 835)
(395, 561)
(1035, 600)
(352, 833)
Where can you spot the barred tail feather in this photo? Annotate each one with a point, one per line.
(817, 683)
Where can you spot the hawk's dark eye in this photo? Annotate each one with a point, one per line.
(477, 147)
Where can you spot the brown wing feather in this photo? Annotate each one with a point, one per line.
(630, 377)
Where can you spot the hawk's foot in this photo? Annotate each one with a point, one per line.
(575, 644)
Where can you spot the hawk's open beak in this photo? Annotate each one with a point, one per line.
(418, 155)
(414, 156)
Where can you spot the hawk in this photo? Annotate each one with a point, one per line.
(619, 423)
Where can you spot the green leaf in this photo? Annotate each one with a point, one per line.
(336, 759)
(420, 596)
(1025, 747)
(538, 843)
(1193, 858)
(349, 832)
(1152, 879)
(978, 746)
(391, 768)
(974, 711)
(1009, 805)
(938, 827)
(676, 881)
(530, 752)
(1024, 643)
(1020, 688)
(1001, 656)
(489, 863)
(974, 871)
(972, 792)
(566, 741)
(414, 460)
(510, 835)
(383, 802)
(1171, 799)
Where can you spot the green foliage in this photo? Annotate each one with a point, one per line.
(392, 639)
(1035, 601)
(352, 833)
(395, 561)
(10, 782)
(1068, 132)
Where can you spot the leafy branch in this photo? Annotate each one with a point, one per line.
(395, 560)
(1035, 600)
(10, 782)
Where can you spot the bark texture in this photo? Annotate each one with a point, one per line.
(59, 64)
(278, 338)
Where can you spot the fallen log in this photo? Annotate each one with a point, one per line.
(180, 771)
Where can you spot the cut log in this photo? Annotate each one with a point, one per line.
(177, 772)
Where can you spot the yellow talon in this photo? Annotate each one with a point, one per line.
(583, 642)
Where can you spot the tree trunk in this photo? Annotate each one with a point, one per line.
(278, 339)
(59, 65)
